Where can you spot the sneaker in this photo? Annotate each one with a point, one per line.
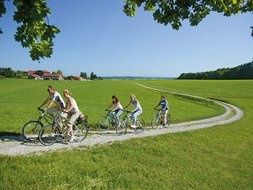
(71, 140)
(133, 126)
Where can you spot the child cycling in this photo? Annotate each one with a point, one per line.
(164, 109)
(137, 109)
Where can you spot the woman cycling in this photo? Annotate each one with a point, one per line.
(117, 108)
(72, 111)
(137, 109)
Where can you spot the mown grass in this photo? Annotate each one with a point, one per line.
(215, 158)
(19, 100)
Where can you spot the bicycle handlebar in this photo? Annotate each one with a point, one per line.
(42, 110)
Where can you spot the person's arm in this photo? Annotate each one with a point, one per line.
(70, 106)
(50, 103)
(127, 105)
(109, 106)
(50, 100)
(116, 107)
(167, 105)
(157, 105)
(45, 102)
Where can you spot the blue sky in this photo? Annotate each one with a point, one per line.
(97, 36)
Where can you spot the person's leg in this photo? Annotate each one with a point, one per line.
(111, 117)
(133, 118)
(118, 113)
(135, 114)
(164, 117)
(63, 123)
(71, 121)
(139, 112)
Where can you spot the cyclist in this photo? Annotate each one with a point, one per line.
(117, 108)
(137, 109)
(164, 109)
(72, 111)
(55, 103)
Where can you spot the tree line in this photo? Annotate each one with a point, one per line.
(93, 76)
(244, 71)
(9, 73)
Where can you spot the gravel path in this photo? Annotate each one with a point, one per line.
(14, 145)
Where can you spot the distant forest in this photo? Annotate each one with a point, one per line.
(244, 71)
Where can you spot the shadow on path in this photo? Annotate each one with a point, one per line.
(11, 136)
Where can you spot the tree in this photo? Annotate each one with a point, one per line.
(59, 72)
(93, 76)
(173, 12)
(84, 75)
(244, 71)
(35, 33)
(7, 72)
(39, 72)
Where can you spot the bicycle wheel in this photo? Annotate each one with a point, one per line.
(125, 124)
(104, 123)
(80, 132)
(31, 130)
(139, 126)
(168, 121)
(155, 122)
(48, 135)
(120, 127)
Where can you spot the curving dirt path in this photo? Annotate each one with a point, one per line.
(13, 146)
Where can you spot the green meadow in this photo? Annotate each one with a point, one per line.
(20, 99)
(214, 158)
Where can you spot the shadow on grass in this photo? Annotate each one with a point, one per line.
(11, 136)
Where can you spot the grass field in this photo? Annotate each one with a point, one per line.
(214, 158)
(20, 99)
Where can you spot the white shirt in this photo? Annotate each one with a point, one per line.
(136, 104)
(71, 102)
(56, 97)
(118, 107)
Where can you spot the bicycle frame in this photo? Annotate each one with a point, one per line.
(59, 130)
(159, 119)
(44, 117)
(127, 119)
(111, 118)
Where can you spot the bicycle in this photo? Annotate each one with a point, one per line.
(57, 131)
(127, 123)
(31, 129)
(159, 121)
(109, 121)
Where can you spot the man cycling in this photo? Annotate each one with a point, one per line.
(54, 102)
(164, 109)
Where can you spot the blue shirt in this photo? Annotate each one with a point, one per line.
(164, 104)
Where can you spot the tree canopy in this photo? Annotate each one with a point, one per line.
(36, 33)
